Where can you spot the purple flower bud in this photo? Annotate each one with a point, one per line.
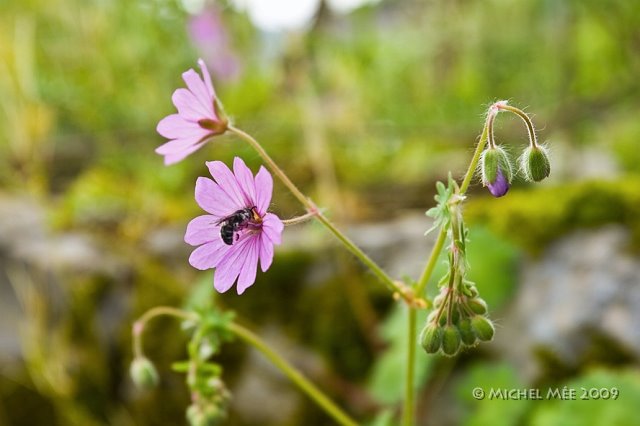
(500, 186)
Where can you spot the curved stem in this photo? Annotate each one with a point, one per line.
(298, 219)
(313, 209)
(274, 167)
(294, 375)
(523, 115)
(138, 326)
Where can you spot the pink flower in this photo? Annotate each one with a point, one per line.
(238, 231)
(199, 117)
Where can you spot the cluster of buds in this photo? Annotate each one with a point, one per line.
(209, 409)
(459, 320)
(495, 164)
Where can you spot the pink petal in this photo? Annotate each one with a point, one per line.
(202, 229)
(264, 189)
(228, 183)
(199, 90)
(209, 255)
(244, 178)
(266, 253)
(174, 126)
(174, 157)
(230, 265)
(178, 145)
(177, 153)
(272, 227)
(207, 78)
(249, 265)
(213, 199)
(189, 106)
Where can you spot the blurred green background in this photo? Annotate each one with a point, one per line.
(365, 108)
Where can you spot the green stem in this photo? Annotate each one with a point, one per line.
(476, 155)
(298, 219)
(139, 325)
(523, 115)
(408, 412)
(294, 375)
(431, 263)
(312, 208)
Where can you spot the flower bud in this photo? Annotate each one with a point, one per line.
(470, 289)
(496, 170)
(450, 340)
(477, 305)
(204, 415)
(143, 373)
(535, 164)
(431, 338)
(437, 301)
(482, 328)
(466, 332)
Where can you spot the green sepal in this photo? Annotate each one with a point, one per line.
(450, 340)
(492, 160)
(431, 338)
(535, 163)
(482, 327)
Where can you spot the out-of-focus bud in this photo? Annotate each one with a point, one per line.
(431, 338)
(482, 327)
(450, 340)
(534, 163)
(466, 332)
(205, 415)
(144, 373)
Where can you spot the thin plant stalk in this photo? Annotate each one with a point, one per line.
(408, 416)
(408, 411)
(295, 376)
(139, 325)
(252, 339)
(312, 208)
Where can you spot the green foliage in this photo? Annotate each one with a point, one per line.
(619, 411)
(493, 265)
(534, 217)
(441, 212)
(491, 411)
(386, 382)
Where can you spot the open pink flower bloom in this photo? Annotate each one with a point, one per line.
(238, 231)
(198, 119)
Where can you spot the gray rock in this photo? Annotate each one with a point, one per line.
(583, 291)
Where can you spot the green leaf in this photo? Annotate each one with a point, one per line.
(487, 411)
(620, 411)
(180, 366)
(387, 379)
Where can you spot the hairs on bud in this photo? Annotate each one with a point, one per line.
(542, 163)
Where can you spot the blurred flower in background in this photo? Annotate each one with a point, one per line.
(211, 39)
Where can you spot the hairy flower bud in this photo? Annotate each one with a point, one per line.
(466, 332)
(431, 338)
(496, 170)
(482, 327)
(535, 164)
(143, 373)
(477, 305)
(450, 340)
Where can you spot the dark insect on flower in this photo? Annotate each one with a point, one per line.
(237, 221)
